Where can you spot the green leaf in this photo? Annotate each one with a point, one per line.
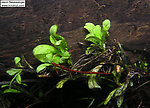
(93, 39)
(60, 83)
(120, 101)
(42, 67)
(11, 91)
(41, 51)
(13, 71)
(56, 59)
(92, 83)
(58, 42)
(106, 24)
(55, 38)
(6, 85)
(89, 26)
(17, 61)
(97, 32)
(53, 30)
(109, 96)
(18, 79)
(50, 57)
(66, 54)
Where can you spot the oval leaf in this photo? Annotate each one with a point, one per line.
(41, 51)
(106, 24)
(13, 71)
(53, 30)
(89, 26)
(18, 79)
(17, 60)
(109, 97)
(42, 67)
(11, 91)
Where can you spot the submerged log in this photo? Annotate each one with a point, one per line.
(24, 28)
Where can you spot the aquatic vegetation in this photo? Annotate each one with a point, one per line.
(97, 35)
(106, 68)
(16, 73)
(58, 53)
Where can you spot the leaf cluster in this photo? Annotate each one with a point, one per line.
(97, 35)
(58, 53)
(16, 73)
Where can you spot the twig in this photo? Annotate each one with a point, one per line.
(80, 71)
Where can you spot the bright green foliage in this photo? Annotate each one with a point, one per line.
(13, 71)
(42, 67)
(16, 73)
(17, 61)
(97, 35)
(49, 54)
(41, 52)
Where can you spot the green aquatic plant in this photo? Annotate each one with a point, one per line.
(58, 53)
(97, 35)
(16, 73)
(108, 64)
